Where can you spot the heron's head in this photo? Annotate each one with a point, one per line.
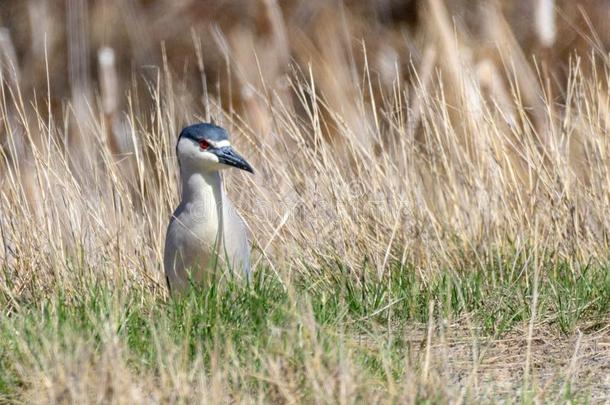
(206, 147)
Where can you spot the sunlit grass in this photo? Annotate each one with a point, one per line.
(428, 215)
(373, 324)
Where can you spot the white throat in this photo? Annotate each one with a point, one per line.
(201, 186)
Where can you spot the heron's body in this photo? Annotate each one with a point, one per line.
(206, 233)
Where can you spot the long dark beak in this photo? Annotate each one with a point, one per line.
(228, 156)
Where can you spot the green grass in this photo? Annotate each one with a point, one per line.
(331, 309)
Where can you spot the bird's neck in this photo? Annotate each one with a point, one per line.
(200, 186)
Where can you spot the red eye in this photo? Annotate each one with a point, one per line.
(203, 144)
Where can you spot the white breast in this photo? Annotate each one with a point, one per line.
(191, 242)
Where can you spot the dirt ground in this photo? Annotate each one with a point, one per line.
(488, 369)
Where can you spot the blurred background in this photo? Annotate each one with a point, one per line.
(77, 48)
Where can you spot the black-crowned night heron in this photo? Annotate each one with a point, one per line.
(205, 232)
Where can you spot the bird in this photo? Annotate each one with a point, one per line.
(205, 231)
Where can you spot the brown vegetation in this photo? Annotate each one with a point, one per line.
(428, 132)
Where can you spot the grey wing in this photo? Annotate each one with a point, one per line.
(168, 249)
(169, 254)
(172, 261)
(236, 241)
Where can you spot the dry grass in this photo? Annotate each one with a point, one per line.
(431, 147)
